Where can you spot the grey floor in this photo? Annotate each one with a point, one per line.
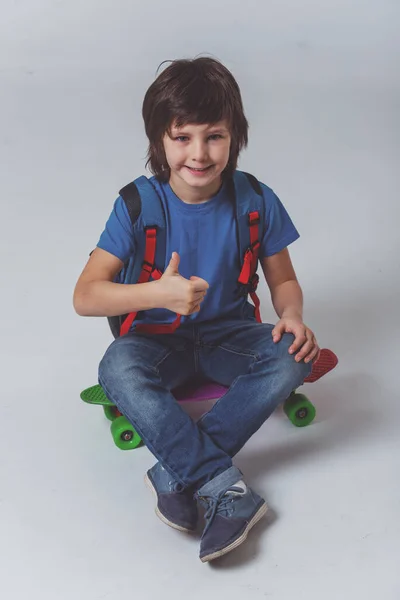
(322, 94)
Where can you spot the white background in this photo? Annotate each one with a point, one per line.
(321, 91)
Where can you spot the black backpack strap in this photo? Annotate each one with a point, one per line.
(255, 184)
(131, 197)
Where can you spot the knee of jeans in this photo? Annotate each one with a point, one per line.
(108, 363)
(115, 364)
(292, 371)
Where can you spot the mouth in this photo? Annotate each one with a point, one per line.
(197, 171)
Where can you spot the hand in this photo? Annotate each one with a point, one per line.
(180, 295)
(304, 338)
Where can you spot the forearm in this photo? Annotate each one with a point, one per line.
(287, 299)
(108, 299)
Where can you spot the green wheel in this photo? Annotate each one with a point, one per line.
(299, 410)
(125, 437)
(111, 412)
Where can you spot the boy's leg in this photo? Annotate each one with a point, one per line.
(137, 373)
(261, 375)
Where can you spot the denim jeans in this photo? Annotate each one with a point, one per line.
(138, 372)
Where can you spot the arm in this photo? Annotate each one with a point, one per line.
(286, 294)
(287, 299)
(96, 294)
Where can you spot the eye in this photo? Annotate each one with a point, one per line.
(215, 137)
(181, 138)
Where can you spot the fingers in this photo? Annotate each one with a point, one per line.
(304, 345)
(197, 300)
(317, 354)
(194, 307)
(299, 339)
(309, 350)
(199, 284)
(277, 331)
(313, 355)
(199, 296)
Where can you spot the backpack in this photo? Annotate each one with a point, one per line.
(141, 198)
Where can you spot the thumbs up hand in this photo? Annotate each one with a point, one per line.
(178, 294)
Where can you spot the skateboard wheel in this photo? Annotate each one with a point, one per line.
(299, 410)
(111, 412)
(124, 435)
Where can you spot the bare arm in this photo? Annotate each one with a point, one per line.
(96, 294)
(286, 294)
(287, 299)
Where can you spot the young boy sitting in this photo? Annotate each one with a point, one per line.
(196, 127)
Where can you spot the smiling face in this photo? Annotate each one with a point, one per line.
(184, 100)
(197, 155)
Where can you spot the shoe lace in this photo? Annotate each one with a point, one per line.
(218, 504)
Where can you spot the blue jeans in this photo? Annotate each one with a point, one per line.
(138, 372)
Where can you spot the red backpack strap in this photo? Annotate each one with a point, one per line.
(250, 216)
(248, 278)
(254, 224)
(251, 255)
(149, 270)
(155, 328)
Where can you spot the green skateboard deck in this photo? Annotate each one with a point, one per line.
(95, 395)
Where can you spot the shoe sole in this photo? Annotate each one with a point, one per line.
(159, 514)
(259, 514)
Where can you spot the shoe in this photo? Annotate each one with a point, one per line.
(232, 509)
(175, 506)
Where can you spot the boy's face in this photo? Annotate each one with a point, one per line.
(197, 155)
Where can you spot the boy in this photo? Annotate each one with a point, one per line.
(196, 127)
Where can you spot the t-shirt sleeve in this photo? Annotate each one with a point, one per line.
(280, 231)
(117, 237)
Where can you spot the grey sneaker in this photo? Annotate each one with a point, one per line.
(175, 506)
(232, 510)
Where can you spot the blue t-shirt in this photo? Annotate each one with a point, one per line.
(204, 235)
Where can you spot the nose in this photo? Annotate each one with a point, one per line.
(199, 151)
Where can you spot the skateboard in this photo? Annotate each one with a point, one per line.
(298, 408)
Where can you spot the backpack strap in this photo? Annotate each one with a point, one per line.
(250, 214)
(148, 219)
(142, 200)
(146, 213)
(131, 196)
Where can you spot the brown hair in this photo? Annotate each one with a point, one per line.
(200, 91)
